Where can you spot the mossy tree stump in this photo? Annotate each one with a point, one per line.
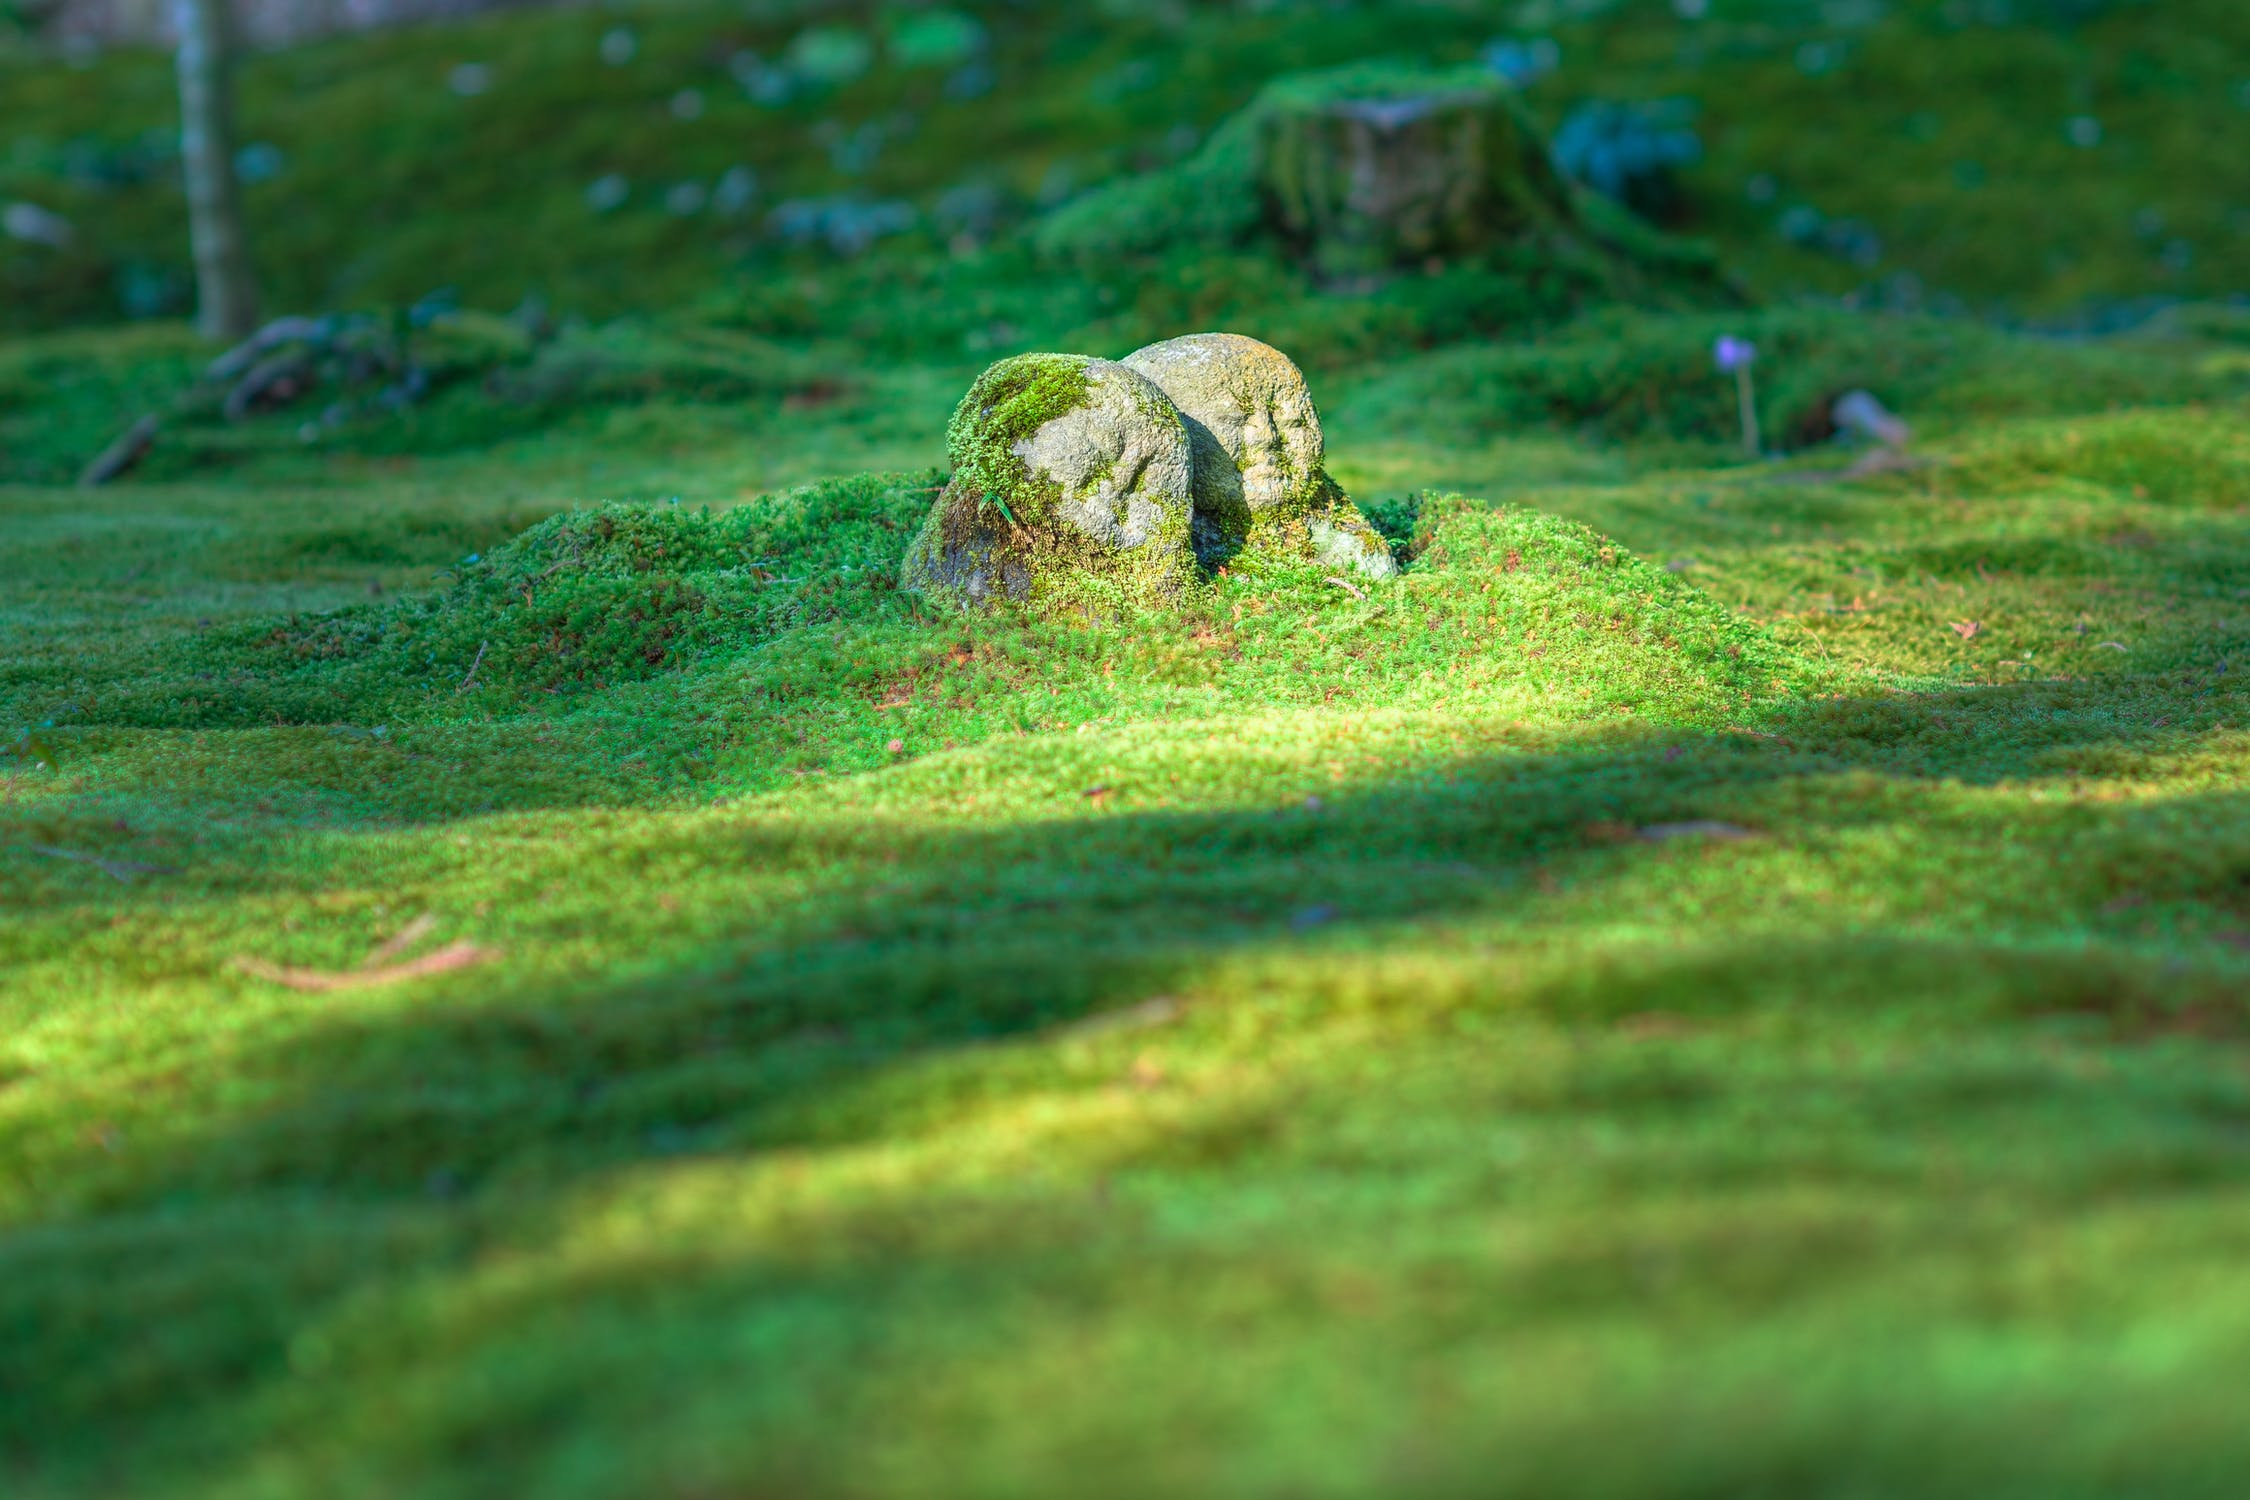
(1365, 170)
(1371, 171)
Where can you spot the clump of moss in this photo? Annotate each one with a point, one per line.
(1578, 609)
(1393, 518)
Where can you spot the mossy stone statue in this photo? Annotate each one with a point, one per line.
(1260, 478)
(1071, 482)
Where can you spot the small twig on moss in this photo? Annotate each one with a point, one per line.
(124, 455)
(1348, 588)
(472, 677)
(120, 870)
(1162, 1010)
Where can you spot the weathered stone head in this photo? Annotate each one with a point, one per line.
(1066, 470)
(1250, 417)
(1260, 475)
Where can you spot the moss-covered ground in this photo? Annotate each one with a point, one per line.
(528, 967)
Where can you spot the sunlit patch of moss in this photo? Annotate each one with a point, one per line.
(589, 600)
(1239, 927)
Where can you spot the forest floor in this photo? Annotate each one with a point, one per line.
(528, 967)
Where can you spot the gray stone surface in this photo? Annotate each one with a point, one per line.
(1121, 462)
(1260, 475)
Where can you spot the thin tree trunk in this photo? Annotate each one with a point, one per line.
(226, 297)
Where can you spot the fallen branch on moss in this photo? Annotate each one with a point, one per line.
(120, 870)
(124, 455)
(462, 955)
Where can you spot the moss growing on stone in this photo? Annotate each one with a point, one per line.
(1009, 403)
(1072, 484)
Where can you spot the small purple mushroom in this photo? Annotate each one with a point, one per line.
(1732, 354)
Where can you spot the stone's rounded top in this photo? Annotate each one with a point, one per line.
(1010, 401)
(1240, 354)
(1038, 423)
(1251, 413)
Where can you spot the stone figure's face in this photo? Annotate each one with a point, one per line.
(1065, 469)
(1258, 450)
(1279, 449)
(1122, 460)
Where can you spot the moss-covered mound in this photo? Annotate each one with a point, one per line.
(585, 600)
(1071, 478)
(1376, 166)
(1260, 478)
